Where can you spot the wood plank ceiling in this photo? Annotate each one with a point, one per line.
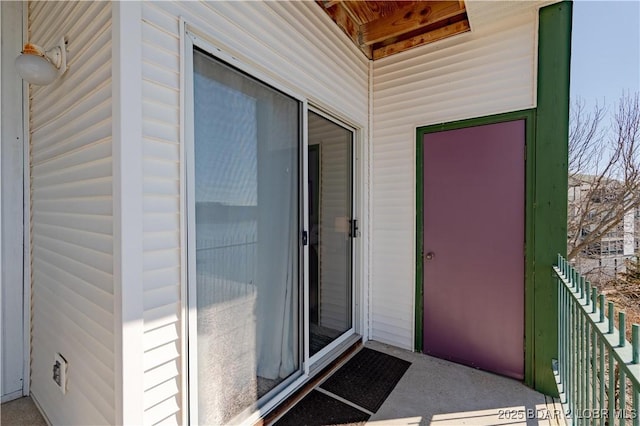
(382, 28)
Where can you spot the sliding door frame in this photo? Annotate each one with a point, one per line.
(191, 38)
(331, 347)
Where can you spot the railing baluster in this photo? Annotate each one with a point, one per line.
(587, 364)
(561, 319)
(622, 386)
(602, 378)
(635, 349)
(581, 351)
(622, 329)
(594, 370)
(612, 388)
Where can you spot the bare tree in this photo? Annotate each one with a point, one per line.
(604, 177)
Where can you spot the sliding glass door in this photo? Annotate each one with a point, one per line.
(332, 229)
(248, 250)
(257, 211)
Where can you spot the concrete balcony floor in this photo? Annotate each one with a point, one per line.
(441, 393)
(432, 392)
(21, 412)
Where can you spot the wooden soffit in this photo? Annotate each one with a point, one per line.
(382, 28)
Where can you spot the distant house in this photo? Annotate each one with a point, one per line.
(595, 211)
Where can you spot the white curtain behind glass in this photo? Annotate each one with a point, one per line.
(246, 190)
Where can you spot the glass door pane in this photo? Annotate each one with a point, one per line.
(247, 248)
(330, 215)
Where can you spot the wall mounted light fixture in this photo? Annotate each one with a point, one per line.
(42, 67)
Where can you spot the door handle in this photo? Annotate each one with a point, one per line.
(429, 256)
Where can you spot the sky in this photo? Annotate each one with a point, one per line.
(605, 56)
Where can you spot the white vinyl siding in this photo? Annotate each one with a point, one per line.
(294, 43)
(487, 71)
(72, 221)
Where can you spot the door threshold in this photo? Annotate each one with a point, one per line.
(320, 371)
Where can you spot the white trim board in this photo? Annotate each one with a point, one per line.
(128, 211)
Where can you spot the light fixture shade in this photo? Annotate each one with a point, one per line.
(36, 69)
(41, 67)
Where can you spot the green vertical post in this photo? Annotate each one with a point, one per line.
(550, 186)
(611, 316)
(622, 332)
(635, 345)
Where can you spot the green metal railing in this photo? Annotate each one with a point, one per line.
(598, 370)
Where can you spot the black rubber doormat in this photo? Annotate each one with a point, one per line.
(318, 409)
(367, 379)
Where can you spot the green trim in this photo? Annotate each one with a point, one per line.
(550, 233)
(530, 125)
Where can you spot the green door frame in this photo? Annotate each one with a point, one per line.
(546, 164)
(529, 117)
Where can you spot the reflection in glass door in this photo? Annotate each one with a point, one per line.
(246, 244)
(331, 225)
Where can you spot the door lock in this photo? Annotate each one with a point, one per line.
(429, 256)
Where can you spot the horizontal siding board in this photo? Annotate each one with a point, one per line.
(160, 316)
(160, 374)
(487, 71)
(83, 136)
(161, 278)
(92, 296)
(161, 75)
(159, 55)
(99, 168)
(89, 275)
(160, 355)
(164, 411)
(159, 112)
(152, 92)
(86, 188)
(90, 240)
(159, 393)
(161, 186)
(161, 296)
(160, 222)
(72, 125)
(161, 240)
(160, 150)
(159, 336)
(95, 223)
(161, 168)
(86, 205)
(96, 316)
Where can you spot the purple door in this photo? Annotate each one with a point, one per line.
(474, 246)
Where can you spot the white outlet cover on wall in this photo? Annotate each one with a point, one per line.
(62, 362)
